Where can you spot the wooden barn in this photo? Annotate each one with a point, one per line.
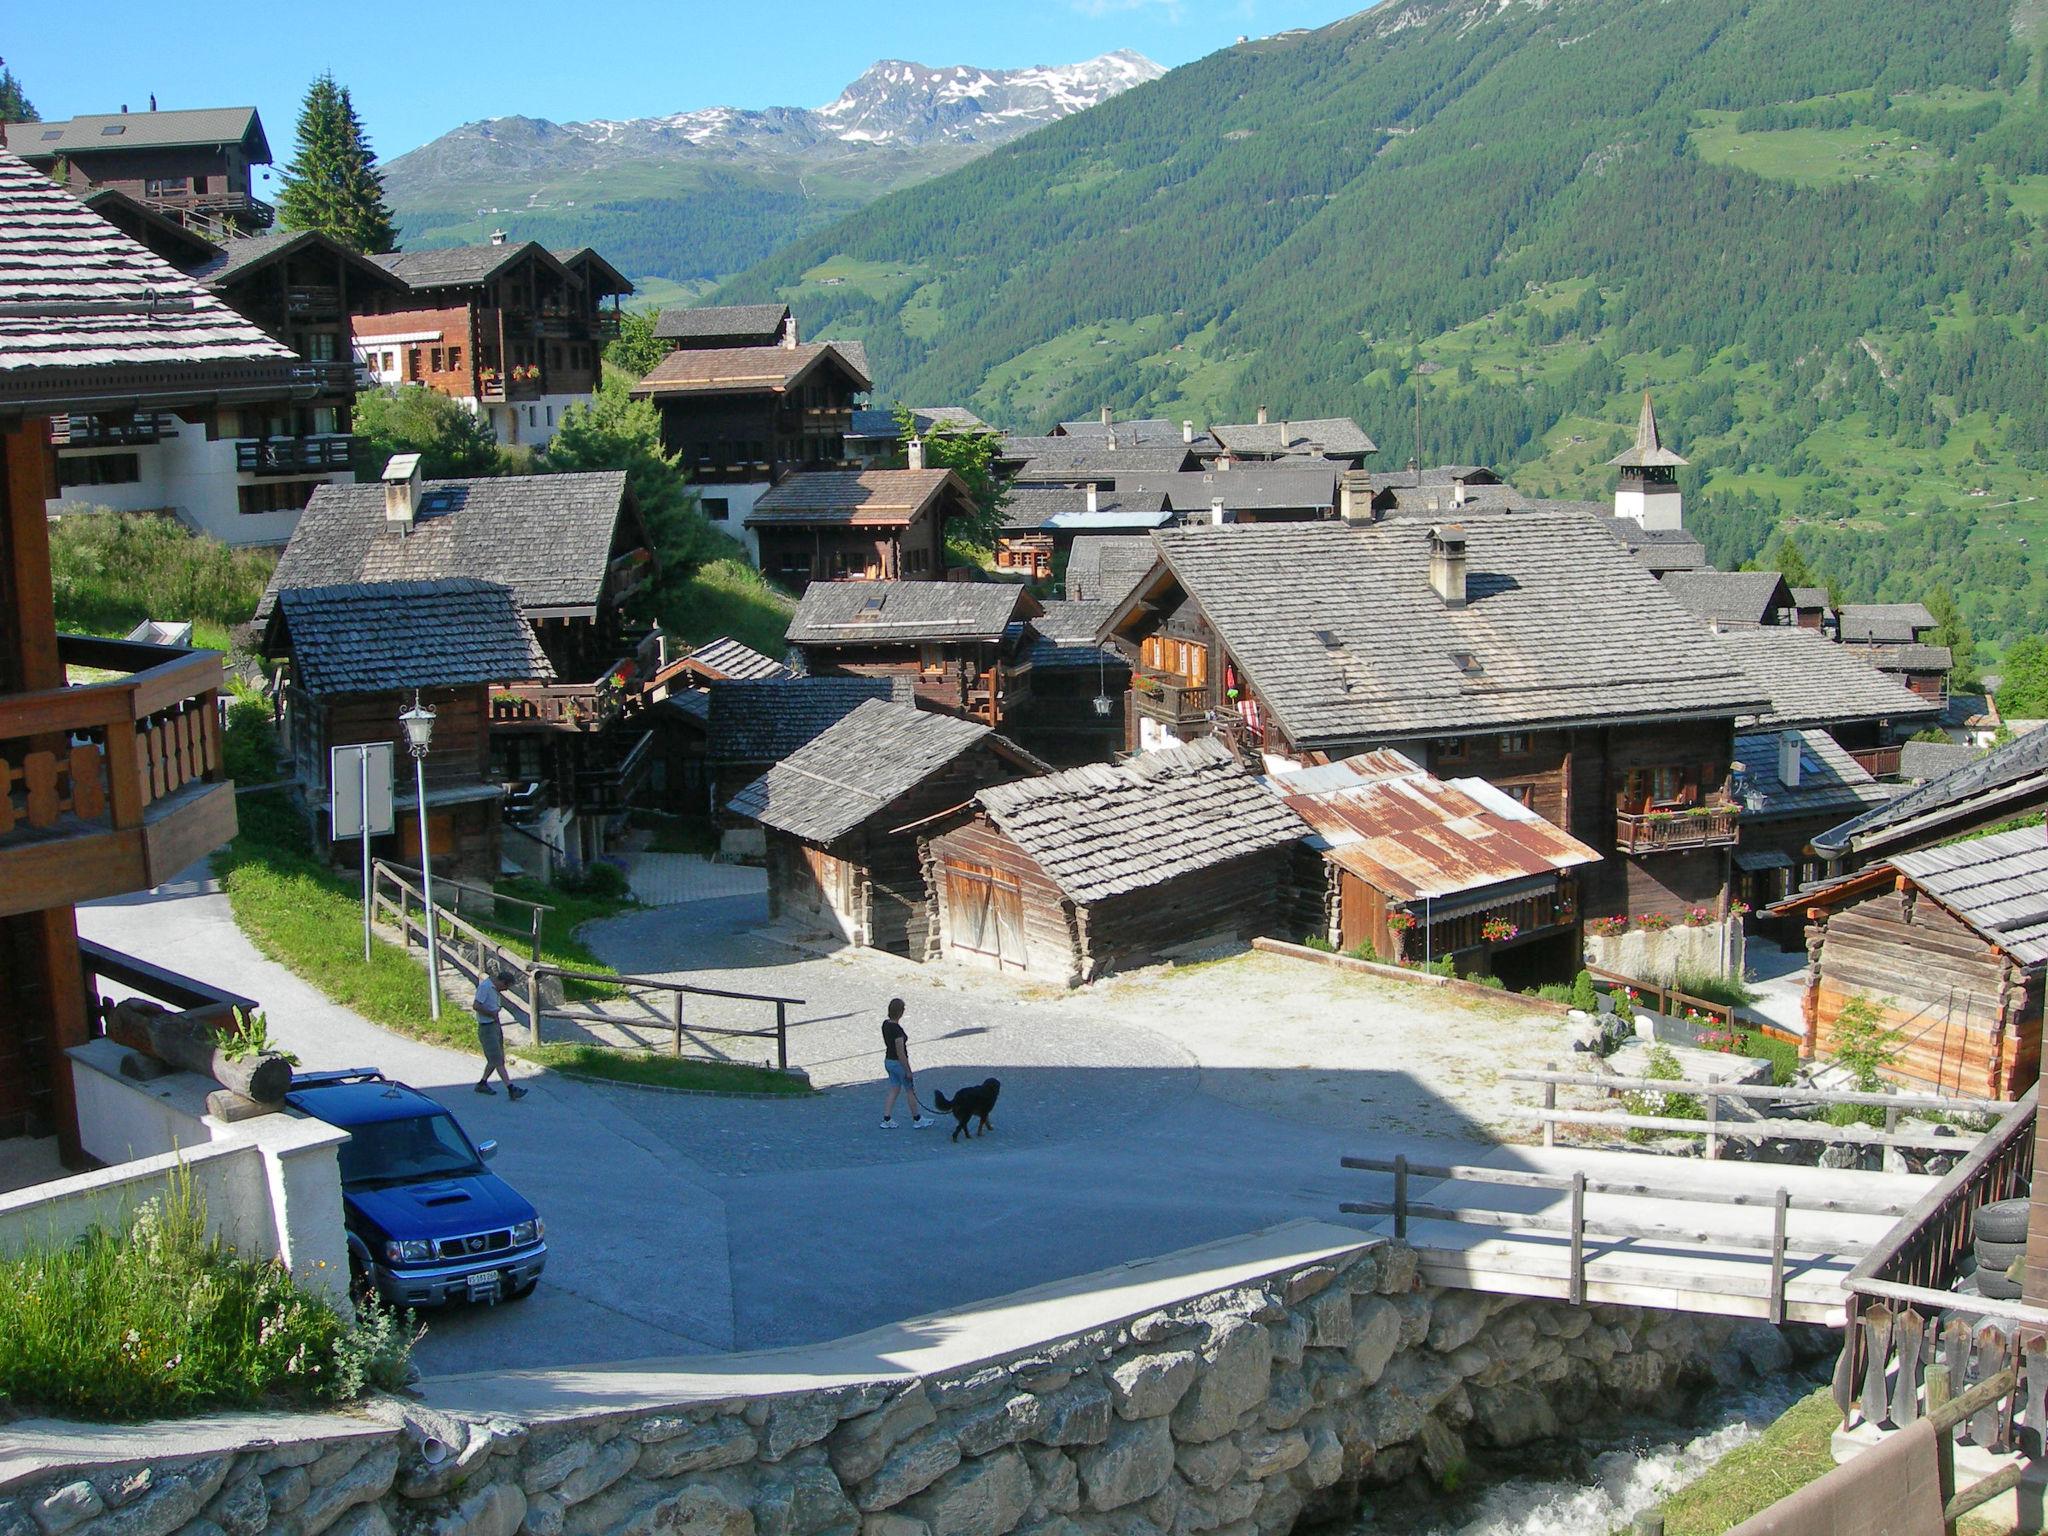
(1948, 943)
(1068, 875)
(356, 654)
(964, 646)
(843, 817)
(1420, 869)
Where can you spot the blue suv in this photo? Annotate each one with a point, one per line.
(427, 1223)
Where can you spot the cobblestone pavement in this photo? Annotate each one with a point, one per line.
(665, 879)
(681, 1223)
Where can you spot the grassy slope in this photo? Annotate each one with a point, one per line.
(729, 597)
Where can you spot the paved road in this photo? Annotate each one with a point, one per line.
(682, 1224)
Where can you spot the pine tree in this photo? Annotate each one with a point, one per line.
(15, 107)
(332, 184)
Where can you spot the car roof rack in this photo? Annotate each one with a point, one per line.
(344, 1075)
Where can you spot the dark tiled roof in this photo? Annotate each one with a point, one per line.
(1032, 508)
(892, 497)
(1811, 681)
(601, 277)
(1920, 761)
(206, 126)
(766, 720)
(1730, 597)
(741, 663)
(1661, 550)
(882, 424)
(1439, 475)
(79, 299)
(1101, 831)
(721, 322)
(1333, 436)
(1440, 500)
(1104, 568)
(857, 767)
(1080, 461)
(1247, 488)
(1906, 658)
(1063, 638)
(906, 612)
(460, 266)
(1810, 597)
(380, 637)
(726, 370)
(547, 537)
(1884, 623)
(2016, 771)
(1147, 432)
(1996, 884)
(1342, 635)
(1830, 780)
(248, 254)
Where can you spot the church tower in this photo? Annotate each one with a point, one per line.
(1648, 488)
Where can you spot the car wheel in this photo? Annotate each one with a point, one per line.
(2002, 1221)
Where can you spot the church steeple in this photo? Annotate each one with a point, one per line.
(1648, 488)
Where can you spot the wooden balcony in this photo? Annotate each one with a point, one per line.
(1878, 762)
(499, 390)
(582, 707)
(320, 455)
(112, 786)
(1702, 826)
(1171, 698)
(628, 573)
(139, 430)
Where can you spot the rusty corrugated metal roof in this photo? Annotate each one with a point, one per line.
(1413, 835)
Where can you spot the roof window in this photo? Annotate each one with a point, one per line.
(52, 133)
(1467, 663)
(112, 129)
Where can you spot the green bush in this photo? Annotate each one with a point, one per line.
(1783, 1055)
(1865, 1049)
(1555, 992)
(160, 1319)
(1317, 942)
(1662, 1066)
(1727, 990)
(1584, 995)
(1363, 951)
(111, 570)
(450, 439)
(249, 744)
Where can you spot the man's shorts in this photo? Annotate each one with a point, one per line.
(490, 1035)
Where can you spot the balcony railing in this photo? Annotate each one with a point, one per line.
(1703, 826)
(212, 210)
(1878, 762)
(113, 786)
(499, 390)
(1171, 698)
(568, 706)
(313, 299)
(295, 455)
(144, 428)
(343, 375)
(628, 573)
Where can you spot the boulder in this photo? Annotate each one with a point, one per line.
(1375, 1335)
(607, 1464)
(1151, 1385)
(1329, 1318)
(1078, 1414)
(1268, 1455)
(795, 1422)
(1288, 1401)
(241, 1508)
(911, 1468)
(1059, 1485)
(803, 1500)
(1133, 1463)
(860, 1445)
(984, 1497)
(702, 1447)
(66, 1507)
(1210, 1464)
(493, 1510)
(1237, 1374)
(983, 1429)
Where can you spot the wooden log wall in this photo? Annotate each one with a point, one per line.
(1968, 1018)
(1051, 945)
(1241, 899)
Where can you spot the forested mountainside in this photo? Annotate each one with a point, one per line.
(698, 195)
(1815, 226)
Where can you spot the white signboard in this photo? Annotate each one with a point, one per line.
(346, 767)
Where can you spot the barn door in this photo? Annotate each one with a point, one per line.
(1354, 911)
(985, 914)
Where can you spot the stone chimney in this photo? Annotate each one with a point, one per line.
(1262, 415)
(1789, 746)
(789, 333)
(1354, 496)
(1447, 563)
(1105, 416)
(402, 491)
(915, 448)
(1187, 431)
(497, 237)
(1094, 498)
(1459, 495)
(1217, 516)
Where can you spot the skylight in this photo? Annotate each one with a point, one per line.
(113, 128)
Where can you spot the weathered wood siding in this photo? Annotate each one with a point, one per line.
(1241, 899)
(1968, 1019)
(1046, 925)
(814, 890)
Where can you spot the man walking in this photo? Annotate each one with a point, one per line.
(490, 1031)
(896, 1061)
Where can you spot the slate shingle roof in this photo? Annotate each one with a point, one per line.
(1063, 639)
(460, 266)
(1730, 597)
(720, 322)
(1032, 509)
(1648, 450)
(1661, 550)
(737, 661)
(80, 300)
(1334, 436)
(876, 497)
(251, 253)
(882, 424)
(1830, 780)
(739, 370)
(1923, 760)
(385, 636)
(1996, 884)
(1102, 830)
(140, 130)
(2016, 772)
(907, 612)
(1345, 640)
(1907, 658)
(1104, 568)
(765, 720)
(1810, 597)
(547, 537)
(1081, 461)
(1247, 488)
(1812, 681)
(1147, 432)
(1883, 623)
(861, 765)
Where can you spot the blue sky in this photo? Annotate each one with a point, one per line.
(419, 67)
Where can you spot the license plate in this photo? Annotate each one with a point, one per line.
(484, 1287)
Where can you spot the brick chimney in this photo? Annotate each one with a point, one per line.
(402, 491)
(1447, 563)
(915, 448)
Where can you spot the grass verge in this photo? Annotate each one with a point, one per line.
(728, 597)
(651, 1069)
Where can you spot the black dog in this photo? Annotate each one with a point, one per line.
(969, 1104)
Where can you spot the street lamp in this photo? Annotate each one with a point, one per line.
(419, 735)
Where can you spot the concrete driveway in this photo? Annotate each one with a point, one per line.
(1143, 1115)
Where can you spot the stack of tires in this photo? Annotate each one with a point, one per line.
(2000, 1238)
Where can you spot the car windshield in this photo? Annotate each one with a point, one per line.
(420, 1147)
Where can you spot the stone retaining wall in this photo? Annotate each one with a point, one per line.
(1239, 1411)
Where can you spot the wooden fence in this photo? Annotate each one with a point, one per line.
(461, 895)
(462, 945)
(672, 994)
(1665, 996)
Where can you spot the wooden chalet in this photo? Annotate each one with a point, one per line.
(1735, 599)
(1042, 523)
(195, 167)
(1440, 490)
(1793, 785)
(1334, 439)
(1104, 430)
(1066, 876)
(721, 325)
(965, 647)
(874, 438)
(1311, 642)
(1418, 869)
(749, 727)
(1289, 491)
(1077, 462)
(1947, 945)
(1898, 638)
(115, 785)
(1812, 684)
(356, 657)
(514, 331)
(844, 814)
(862, 525)
(741, 418)
(1104, 568)
(1078, 686)
(678, 717)
(571, 548)
(1813, 609)
(1984, 792)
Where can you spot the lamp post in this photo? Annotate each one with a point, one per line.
(419, 735)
